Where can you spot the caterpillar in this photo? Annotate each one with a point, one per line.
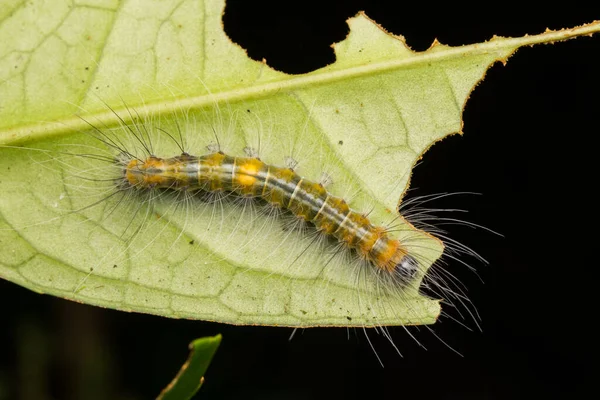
(282, 187)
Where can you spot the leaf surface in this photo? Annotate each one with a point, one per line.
(366, 119)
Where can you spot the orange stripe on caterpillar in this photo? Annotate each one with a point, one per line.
(251, 177)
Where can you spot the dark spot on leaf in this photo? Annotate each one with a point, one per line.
(341, 142)
(349, 318)
(191, 242)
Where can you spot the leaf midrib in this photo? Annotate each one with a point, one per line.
(320, 77)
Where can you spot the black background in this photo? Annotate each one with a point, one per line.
(529, 146)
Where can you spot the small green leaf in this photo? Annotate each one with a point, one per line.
(190, 377)
(369, 117)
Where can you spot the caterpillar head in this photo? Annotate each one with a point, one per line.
(407, 268)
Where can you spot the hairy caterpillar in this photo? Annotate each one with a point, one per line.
(282, 187)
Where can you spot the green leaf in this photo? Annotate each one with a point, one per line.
(368, 118)
(190, 377)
